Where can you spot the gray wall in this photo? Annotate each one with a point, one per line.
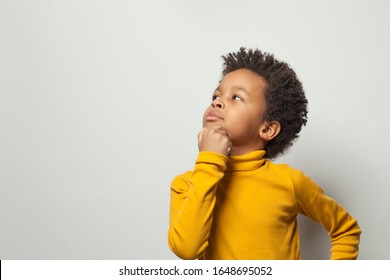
(101, 102)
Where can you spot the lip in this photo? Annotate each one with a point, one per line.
(213, 116)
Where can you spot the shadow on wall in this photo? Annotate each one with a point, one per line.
(315, 244)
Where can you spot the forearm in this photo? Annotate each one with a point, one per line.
(345, 246)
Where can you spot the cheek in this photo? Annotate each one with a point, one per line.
(243, 125)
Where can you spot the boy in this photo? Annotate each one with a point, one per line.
(236, 203)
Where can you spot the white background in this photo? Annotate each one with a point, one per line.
(101, 102)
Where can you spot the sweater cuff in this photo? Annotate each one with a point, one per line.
(212, 158)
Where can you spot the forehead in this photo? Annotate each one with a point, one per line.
(243, 79)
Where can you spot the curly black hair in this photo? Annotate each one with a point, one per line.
(284, 95)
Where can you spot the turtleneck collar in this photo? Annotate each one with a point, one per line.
(247, 162)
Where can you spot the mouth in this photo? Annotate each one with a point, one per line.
(213, 116)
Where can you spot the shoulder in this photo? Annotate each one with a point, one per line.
(285, 170)
(302, 183)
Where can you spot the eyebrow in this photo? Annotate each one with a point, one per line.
(242, 89)
(235, 88)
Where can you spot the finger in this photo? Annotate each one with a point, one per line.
(219, 128)
(223, 131)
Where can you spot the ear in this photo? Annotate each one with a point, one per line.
(269, 130)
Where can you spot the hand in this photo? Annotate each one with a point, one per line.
(214, 139)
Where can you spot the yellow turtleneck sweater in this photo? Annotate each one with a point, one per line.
(245, 207)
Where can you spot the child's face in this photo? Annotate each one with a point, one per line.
(238, 106)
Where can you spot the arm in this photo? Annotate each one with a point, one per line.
(343, 229)
(192, 204)
(193, 195)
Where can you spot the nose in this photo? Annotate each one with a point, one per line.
(217, 103)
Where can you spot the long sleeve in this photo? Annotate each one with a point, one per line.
(192, 203)
(343, 229)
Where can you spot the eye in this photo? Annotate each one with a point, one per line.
(215, 97)
(237, 98)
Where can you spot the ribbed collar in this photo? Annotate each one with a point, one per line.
(247, 162)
